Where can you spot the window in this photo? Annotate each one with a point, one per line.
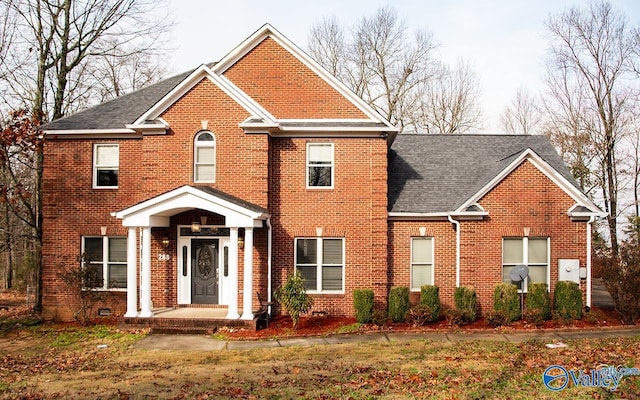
(319, 165)
(204, 157)
(321, 264)
(105, 262)
(532, 252)
(105, 165)
(421, 262)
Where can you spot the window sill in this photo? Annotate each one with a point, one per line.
(123, 290)
(325, 293)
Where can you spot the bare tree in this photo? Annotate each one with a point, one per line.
(380, 61)
(522, 116)
(590, 55)
(58, 62)
(451, 102)
(59, 39)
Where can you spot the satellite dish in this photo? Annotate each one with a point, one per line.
(518, 273)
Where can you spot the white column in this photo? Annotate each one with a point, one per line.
(132, 269)
(145, 274)
(232, 312)
(247, 306)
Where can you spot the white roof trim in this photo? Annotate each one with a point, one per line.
(543, 167)
(88, 131)
(417, 216)
(157, 211)
(194, 78)
(269, 31)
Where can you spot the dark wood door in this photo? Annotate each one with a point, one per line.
(204, 271)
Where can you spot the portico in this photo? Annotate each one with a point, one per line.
(216, 246)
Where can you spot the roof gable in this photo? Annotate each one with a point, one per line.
(203, 72)
(268, 44)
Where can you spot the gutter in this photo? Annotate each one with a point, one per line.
(457, 224)
(269, 254)
(589, 227)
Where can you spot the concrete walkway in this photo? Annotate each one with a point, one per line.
(207, 343)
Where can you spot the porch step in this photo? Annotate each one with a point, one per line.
(185, 325)
(184, 330)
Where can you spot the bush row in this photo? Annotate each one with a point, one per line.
(506, 305)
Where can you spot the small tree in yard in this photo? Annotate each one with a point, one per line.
(80, 279)
(294, 298)
(621, 276)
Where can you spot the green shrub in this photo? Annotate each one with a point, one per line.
(398, 303)
(294, 298)
(363, 303)
(419, 315)
(430, 297)
(466, 302)
(506, 301)
(538, 303)
(567, 302)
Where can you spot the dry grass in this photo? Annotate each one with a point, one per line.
(62, 362)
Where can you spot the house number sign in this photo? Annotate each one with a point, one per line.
(164, 257)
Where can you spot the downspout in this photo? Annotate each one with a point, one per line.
(269, 251)
(457, 224)
(589, 227)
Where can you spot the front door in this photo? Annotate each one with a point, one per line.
(204, 271)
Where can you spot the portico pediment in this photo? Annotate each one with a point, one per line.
(157, 211)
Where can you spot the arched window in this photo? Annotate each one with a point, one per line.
(204, 157)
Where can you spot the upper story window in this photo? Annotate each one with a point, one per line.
(321, 264)
(204, 157)
(106, 163)
(421, 262)
(532, 252)
(320, 165)
(105, 262)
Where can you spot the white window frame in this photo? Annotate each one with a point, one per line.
(309, 164)
(525, 260)
(412, 263)
(319, 263)
(202, 143)
(105, 262)
(97, 167)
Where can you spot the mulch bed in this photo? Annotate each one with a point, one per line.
(281, 326)
(19, 315)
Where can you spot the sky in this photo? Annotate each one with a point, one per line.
(504, 41)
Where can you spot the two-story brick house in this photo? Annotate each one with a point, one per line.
(218, 183)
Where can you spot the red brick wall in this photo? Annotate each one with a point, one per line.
(148, 166)
(525, 198)
(444, 261)
(355, 209)
(287, 88)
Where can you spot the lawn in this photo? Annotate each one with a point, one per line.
(63, 361)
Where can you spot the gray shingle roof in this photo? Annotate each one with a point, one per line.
(437, 173)
(117, 113)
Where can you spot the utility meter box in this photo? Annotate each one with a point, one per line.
(569, 270)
